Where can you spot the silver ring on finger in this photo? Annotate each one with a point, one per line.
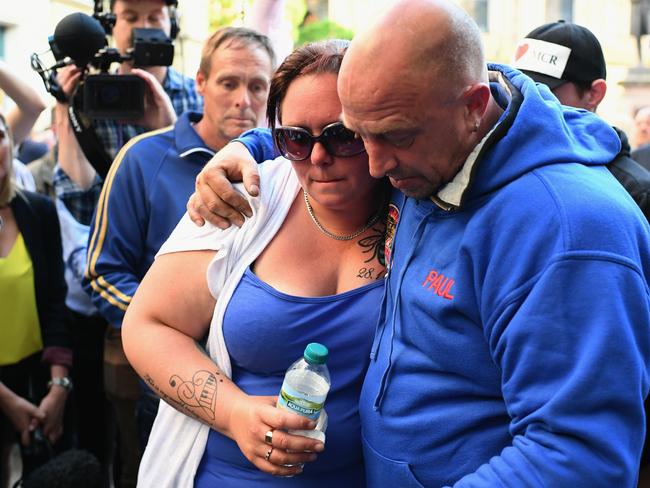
(268, 437)
(268, 454)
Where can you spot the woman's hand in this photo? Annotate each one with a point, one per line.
(252, 417)
(24, 416)
(53, 406)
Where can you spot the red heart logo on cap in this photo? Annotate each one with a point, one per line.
(521, 50)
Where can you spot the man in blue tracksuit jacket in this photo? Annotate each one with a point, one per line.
(142, 201)
(145, 192)
(514, 342)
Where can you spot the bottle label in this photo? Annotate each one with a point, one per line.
(296, 402)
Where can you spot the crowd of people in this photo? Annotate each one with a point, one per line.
(469, 239)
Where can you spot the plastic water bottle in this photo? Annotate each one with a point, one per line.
(305, 389)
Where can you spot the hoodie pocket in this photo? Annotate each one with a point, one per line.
(383, 471)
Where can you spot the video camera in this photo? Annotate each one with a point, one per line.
(81, 40)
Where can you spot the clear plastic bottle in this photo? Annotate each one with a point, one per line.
(305, 388)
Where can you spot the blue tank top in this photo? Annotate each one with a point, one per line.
(265, 331)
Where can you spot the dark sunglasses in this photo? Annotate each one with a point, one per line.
(296, 143)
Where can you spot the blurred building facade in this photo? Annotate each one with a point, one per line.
(505, 22)
(26, 24)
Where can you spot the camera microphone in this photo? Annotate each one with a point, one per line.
(78, 36)
(81, 39)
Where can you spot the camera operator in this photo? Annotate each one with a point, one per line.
(77, 185)
(167, 94)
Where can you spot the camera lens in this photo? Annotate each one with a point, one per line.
(113, 96)
(109, 94)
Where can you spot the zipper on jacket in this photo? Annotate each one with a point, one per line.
(384, 378)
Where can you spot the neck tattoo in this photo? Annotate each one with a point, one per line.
(331, 235)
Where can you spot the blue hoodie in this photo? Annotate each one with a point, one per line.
(513, 345)
(515, 342)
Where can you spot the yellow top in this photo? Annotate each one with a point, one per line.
(20, 330)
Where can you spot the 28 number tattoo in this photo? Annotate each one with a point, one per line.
(374, 246)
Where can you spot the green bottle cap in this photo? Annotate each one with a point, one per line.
(316, 353)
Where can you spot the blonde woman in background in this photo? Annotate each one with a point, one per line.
(35, 354)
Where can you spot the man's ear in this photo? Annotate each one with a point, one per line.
(476, 98)
(596, 94)
(200, 82)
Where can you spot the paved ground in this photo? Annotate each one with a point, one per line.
(15, 465)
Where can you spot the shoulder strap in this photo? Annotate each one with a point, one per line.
(90, 144)
(21, 194)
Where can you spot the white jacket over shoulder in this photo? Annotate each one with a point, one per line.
(177, 441)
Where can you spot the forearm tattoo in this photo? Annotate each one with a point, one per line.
(165, 397)
(199, 393)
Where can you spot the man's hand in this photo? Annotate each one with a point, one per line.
(214, 199)
(70, 156)
(68, 78)
(53, 406)
(158, 108)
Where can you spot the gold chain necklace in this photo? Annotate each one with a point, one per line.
(347, 237)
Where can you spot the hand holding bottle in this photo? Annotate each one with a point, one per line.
(305, 388)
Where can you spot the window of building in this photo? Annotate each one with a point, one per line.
(559, 9)
(478, 9)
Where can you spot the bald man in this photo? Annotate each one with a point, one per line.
(514, 345)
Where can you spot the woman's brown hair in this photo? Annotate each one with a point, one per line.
(311, 59)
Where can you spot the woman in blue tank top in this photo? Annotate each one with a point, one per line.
(307, 267)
